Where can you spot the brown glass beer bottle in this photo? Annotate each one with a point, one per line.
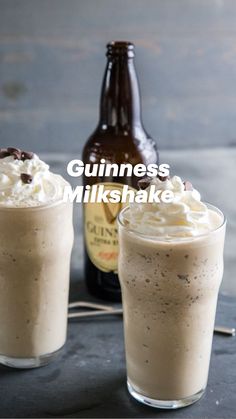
(120, 137)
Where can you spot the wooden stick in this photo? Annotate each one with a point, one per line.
(103, 310)
(89, 305)
(95, 313)
(230, 331)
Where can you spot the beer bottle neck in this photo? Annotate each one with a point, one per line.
(120, 98)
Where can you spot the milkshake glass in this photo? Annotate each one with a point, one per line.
(169, 291)
(35, 250)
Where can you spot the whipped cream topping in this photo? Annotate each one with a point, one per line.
(28, 183)
(185, 216)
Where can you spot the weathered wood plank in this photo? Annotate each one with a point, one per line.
(52, 61)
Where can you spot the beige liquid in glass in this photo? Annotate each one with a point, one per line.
(35, 252)
(169, 293)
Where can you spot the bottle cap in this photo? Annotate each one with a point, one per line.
(117, 48)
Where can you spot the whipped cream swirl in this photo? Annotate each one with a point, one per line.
(42, 188)
(185, 216)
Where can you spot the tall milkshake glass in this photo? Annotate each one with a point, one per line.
(169, 293)
(35, 252)
(36, 238)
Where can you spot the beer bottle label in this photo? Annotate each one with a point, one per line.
(101, 230)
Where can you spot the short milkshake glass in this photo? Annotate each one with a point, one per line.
(35, 252)
(169, 293)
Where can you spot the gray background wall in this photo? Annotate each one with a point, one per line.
(52, 61)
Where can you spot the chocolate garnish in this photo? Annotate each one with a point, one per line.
(12, 150)
(27, 155)
(163, 178)
(4, 153)
(144, 183)
(188, 186)
(16, 153)
(26, 178)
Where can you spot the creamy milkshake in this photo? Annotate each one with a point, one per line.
(36, 235)
(170, 269)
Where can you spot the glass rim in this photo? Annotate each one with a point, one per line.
(40, 207)
(175, 238)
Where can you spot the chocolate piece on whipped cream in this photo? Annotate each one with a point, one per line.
(16, 153)
(163, 178)
(144, 183)
(12, 150)
(26, 178)
(27, 155)
(4, 153)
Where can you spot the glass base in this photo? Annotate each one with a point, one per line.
(164, 404)
(24, 363)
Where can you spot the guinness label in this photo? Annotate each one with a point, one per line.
(101, 231)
